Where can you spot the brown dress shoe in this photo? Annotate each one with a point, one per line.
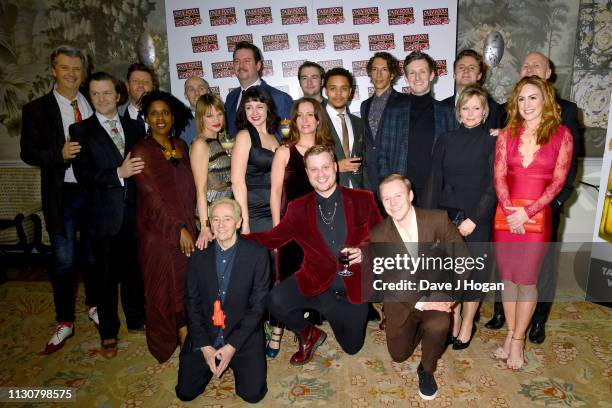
(310, 338)
(109, 348)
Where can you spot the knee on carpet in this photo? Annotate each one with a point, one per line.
(254, 398)
(185, 396)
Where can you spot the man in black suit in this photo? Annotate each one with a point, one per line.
(140, 80)
(468, 69)
(104, 168)
(346, 134)
(45, 143)
(536, 63)
(376, 111)
(225, 293)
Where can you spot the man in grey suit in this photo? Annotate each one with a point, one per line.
(347, 134)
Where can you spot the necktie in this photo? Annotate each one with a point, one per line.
(115, 136)
(77, 112)
(240, 100)
(140, 118)
(345, 136)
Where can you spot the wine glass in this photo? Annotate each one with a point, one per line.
(227, 142)
(284, 127)
(356, 159)
(343, 258)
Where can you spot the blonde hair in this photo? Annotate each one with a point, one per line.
(204, 105)
(551, 112)
(467, 93)
(395, 176)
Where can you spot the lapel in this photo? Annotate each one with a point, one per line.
(56, 115)
(106, 139)
(337, 142)
(210, 273)
(364, 117)
(357, 135)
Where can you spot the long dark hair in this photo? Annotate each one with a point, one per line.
(180, 113)
(257, 94)
(322, 135)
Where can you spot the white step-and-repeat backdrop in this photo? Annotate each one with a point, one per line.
(202, 34)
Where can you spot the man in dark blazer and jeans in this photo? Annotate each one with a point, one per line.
(225, 299)
(104, 167)
(45, 143)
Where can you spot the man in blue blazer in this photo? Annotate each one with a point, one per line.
(411, 131)
(248, 63)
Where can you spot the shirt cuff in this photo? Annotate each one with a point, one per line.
(120, 178)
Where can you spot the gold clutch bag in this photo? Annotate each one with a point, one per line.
(605, 227)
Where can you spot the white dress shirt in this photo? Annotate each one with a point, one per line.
(104, 122)
(256, 83)
(335, 119)
(67, 112)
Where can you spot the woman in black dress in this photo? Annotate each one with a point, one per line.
(307, 128)
(252, 158)
(462, 183)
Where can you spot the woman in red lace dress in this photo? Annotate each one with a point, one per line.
(532, 160)
(166, 221)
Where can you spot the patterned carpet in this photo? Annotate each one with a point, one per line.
(571, 369)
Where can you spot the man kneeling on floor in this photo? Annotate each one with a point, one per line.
(226, 287)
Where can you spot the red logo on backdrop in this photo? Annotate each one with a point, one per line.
(223, 16)
(401, 16)
(187, 17)
(260, 15)
(223, 69)
(290, 68)
(380, 42)
(355, 93)
(406, 89)
(435, 16)
(309, 42)
(205, 43)
(441, 67)
(275, 42)
(416, 42)
(215, 90)
(188, 69)
(330, 15)
(360, 68)
(232, 40)
(366, 15)
(343, 42)
(267, 69)
(295, 15)
(329, 64)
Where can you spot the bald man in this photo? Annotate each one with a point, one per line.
(194, 88)
(536, 63)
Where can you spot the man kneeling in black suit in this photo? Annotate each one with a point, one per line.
(226, 287)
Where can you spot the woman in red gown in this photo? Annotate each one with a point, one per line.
(288, 182)
(532, 160)
(166, 221)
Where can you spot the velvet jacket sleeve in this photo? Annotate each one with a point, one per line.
(257, 301)
(158, 213)
(193, 302)
(279, 235)
(562, 168)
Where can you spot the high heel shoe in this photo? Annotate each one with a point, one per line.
(459, 345)
(517, 363)
(276, 338)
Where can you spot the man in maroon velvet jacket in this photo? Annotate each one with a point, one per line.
(324, 222)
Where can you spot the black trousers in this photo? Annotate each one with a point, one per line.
(547, 279)
(116, 260)
(248, 365)
(348, 321)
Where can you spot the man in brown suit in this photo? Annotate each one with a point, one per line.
(414, 317)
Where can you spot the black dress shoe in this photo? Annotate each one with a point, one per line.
(459, 345)
(496, 322)
(537, 333)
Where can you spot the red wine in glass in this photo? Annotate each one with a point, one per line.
(343, 258)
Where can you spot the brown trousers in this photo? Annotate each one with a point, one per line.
(430, 328)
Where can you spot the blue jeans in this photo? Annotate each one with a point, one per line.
(64, 274)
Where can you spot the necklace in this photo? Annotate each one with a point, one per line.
(329, 220)
(168, 155)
